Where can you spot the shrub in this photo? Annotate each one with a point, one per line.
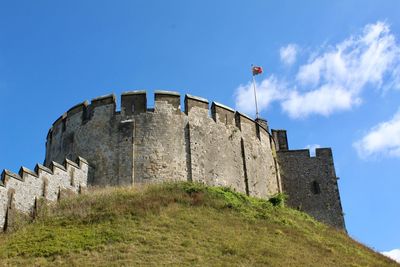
(278, 200)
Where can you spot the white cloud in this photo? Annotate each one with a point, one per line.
(310, 73)
(268, 91)
(333, 79)
(393, 254)
(288, 54)
(324, 101)
(339, 75)
(382, 139)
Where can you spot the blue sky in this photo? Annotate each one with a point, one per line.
(331, 78)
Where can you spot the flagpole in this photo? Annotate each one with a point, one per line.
(255, 92)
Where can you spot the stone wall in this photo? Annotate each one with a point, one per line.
(159, 141)
(310, 182)
(98, 132)
(141, 145)
(19, 192)
(217, 146)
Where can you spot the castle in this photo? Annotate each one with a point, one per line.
(136, 145)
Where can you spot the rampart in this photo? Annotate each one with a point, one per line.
(20, 192)
(310, 182)
(142, 145)
(213, 144)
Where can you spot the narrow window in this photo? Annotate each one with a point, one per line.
(10, 200)
(44, 192)
(315, 188)
(72, 175)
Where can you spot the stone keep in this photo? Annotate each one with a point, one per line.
(217, 146)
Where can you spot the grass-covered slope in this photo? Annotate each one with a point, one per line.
(179, 224)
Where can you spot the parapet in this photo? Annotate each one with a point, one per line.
(170, 97)
(134, 103)
(77, 108)
(21, 191)
(223, 114)
(195, 101)
(324, 153)
(280, 138)
(262, 123)
(140, 145)
(103, 101)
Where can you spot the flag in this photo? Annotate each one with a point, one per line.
(256, 70)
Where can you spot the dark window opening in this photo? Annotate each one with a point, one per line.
(315, 188)
(44, 192)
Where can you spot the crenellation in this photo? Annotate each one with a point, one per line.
(82, 162)
(262, 123)
(7, 175)
(195, 101)
(170, 97)
(311, 184)
(22, 190)
(133, 103)
(54, 165)
(104, 107)
(222, 114)
(40, 168)
(58, 124)
(323, 153)
(103, 101)
(303, 153)
(23, 171)
(69, 163)
(75, 116)
(280, 138)
(78, 108)
(246, 124)
(216, 146)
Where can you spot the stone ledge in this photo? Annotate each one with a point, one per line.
(222, 106)
(134, 92)
(165, 92)
(196, 98)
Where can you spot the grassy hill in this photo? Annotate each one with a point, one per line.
(178, 224)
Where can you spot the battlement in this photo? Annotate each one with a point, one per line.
(121, 145)
(281, 142)
(170, 97)
(134, 103)
(204, 141)
(20, 191)
(322, 153)
(310, 181)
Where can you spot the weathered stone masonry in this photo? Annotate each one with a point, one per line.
(141, 145)
(217, 146)
(310, 182)
(20, 192)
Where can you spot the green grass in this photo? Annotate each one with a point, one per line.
(178, 224)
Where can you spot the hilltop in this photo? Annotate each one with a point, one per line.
(183, 224)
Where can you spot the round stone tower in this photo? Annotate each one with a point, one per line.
(141, 145)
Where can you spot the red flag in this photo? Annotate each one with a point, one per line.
(257, 70)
